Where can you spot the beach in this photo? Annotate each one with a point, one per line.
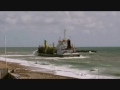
(24, 72)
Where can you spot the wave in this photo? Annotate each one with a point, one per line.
(35, 52)
(15, 55)
(59, 70)
(80, 57)
(59, 58)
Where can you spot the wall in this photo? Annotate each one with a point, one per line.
(3, 72)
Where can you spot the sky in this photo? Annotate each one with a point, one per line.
(84, 28)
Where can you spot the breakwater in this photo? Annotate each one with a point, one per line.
(3, 72)
(6, 74)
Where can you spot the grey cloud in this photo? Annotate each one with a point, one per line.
(87, 25)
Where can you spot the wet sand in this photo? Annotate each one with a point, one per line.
(25, 72)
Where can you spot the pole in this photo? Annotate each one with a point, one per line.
(98, 66)
(64, 34)
(5, 52)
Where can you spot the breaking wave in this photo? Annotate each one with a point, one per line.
(64, 70)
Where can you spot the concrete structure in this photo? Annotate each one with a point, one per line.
(13, 76)
(3, 72)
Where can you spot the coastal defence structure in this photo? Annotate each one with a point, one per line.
(6, 74)
(3, 72)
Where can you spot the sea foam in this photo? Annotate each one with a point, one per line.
(59, 70)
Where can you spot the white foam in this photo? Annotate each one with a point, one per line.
(59, 70)
(35, 52)
(58, 58)
(80, 57)
(14, 55)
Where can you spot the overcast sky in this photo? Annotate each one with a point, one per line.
(84, 28)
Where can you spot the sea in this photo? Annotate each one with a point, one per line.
(104, 64)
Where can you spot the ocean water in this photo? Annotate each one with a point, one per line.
(105, 64)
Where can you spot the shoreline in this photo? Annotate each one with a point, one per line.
(25, 72)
